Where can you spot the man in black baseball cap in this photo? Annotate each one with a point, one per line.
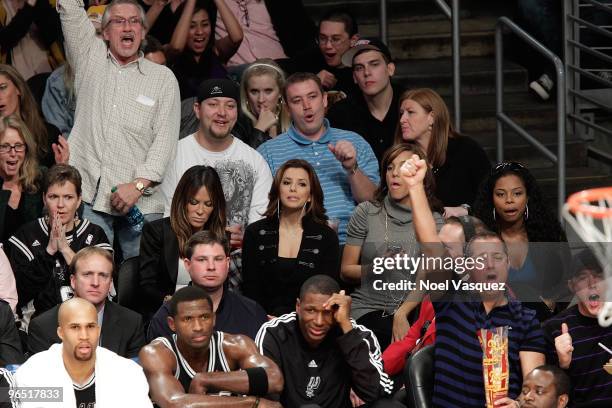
(374, 113)
(245, 175)
(218, 88)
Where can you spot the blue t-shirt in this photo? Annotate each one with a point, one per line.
(338, 198)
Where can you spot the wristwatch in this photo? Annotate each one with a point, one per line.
(355, 168)
(145, 191)
(467, 207)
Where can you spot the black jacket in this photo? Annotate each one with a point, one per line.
(324, 376)
(159, 257)
(32, 206)
(39, 276)
(10, 343)
(122, 331)
(459, 178)
(293, 25)
(277, 290)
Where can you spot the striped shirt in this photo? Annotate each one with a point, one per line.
(127, 117)
(338, 201)
(458, 355)
(590, 383)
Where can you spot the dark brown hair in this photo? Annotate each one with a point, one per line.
(442, 128)
(206, 238)
(429, 182)
(60, 174)
(315, 209)
(188, 186)
(299, 77)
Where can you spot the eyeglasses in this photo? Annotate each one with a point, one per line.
(507, 165)
(334, 41)
(18, 147)
(242, 6)
(120, 21)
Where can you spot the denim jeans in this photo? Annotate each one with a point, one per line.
(129, 239)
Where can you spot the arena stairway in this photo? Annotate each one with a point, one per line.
(420, 42)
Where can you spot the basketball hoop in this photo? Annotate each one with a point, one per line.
(589, 212)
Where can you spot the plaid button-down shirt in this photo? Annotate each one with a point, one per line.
(127, 116)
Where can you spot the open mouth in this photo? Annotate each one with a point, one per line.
(316, 332)
(594, 300)
(11, 165)
(127, 40)
(309, 117)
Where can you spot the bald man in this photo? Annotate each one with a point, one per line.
(81, 373)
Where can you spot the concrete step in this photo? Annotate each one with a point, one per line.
(478, 112)
(577, 179)
(477, 75)
(518, 149)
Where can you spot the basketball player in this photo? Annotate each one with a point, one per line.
(198, 366)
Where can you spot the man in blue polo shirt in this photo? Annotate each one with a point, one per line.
(345, 163)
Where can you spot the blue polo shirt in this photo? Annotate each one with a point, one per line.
(458, 380)
(338, 199)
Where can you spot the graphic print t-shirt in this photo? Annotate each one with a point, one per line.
(245, 177)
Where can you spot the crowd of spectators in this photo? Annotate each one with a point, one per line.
(238, 174)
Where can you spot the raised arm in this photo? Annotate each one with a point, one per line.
(258, 375)
(157, 6)
(79, 33)
(181, 31)
(227, 46)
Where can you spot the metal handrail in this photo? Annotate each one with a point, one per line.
(576, 96)
(453, 14)
(503, 119)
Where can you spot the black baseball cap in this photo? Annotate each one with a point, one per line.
(215, 88)
(364, 44)
(585, 260)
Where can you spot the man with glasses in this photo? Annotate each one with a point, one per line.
(337, 33)
(127, 118)
(91, 277)
(374, 112)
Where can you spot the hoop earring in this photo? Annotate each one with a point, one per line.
(526, 211)
(494, 214)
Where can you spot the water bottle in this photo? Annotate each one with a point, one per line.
(134, 217)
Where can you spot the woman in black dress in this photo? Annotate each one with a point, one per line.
(292, 243)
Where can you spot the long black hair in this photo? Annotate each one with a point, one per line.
(541, 225)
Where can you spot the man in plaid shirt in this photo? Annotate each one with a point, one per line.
(127, 117)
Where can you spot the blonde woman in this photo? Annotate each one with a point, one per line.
(261, 101)
(20, 177)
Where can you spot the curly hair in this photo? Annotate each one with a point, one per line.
(541, 225)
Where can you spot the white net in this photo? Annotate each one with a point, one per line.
(589, 214)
